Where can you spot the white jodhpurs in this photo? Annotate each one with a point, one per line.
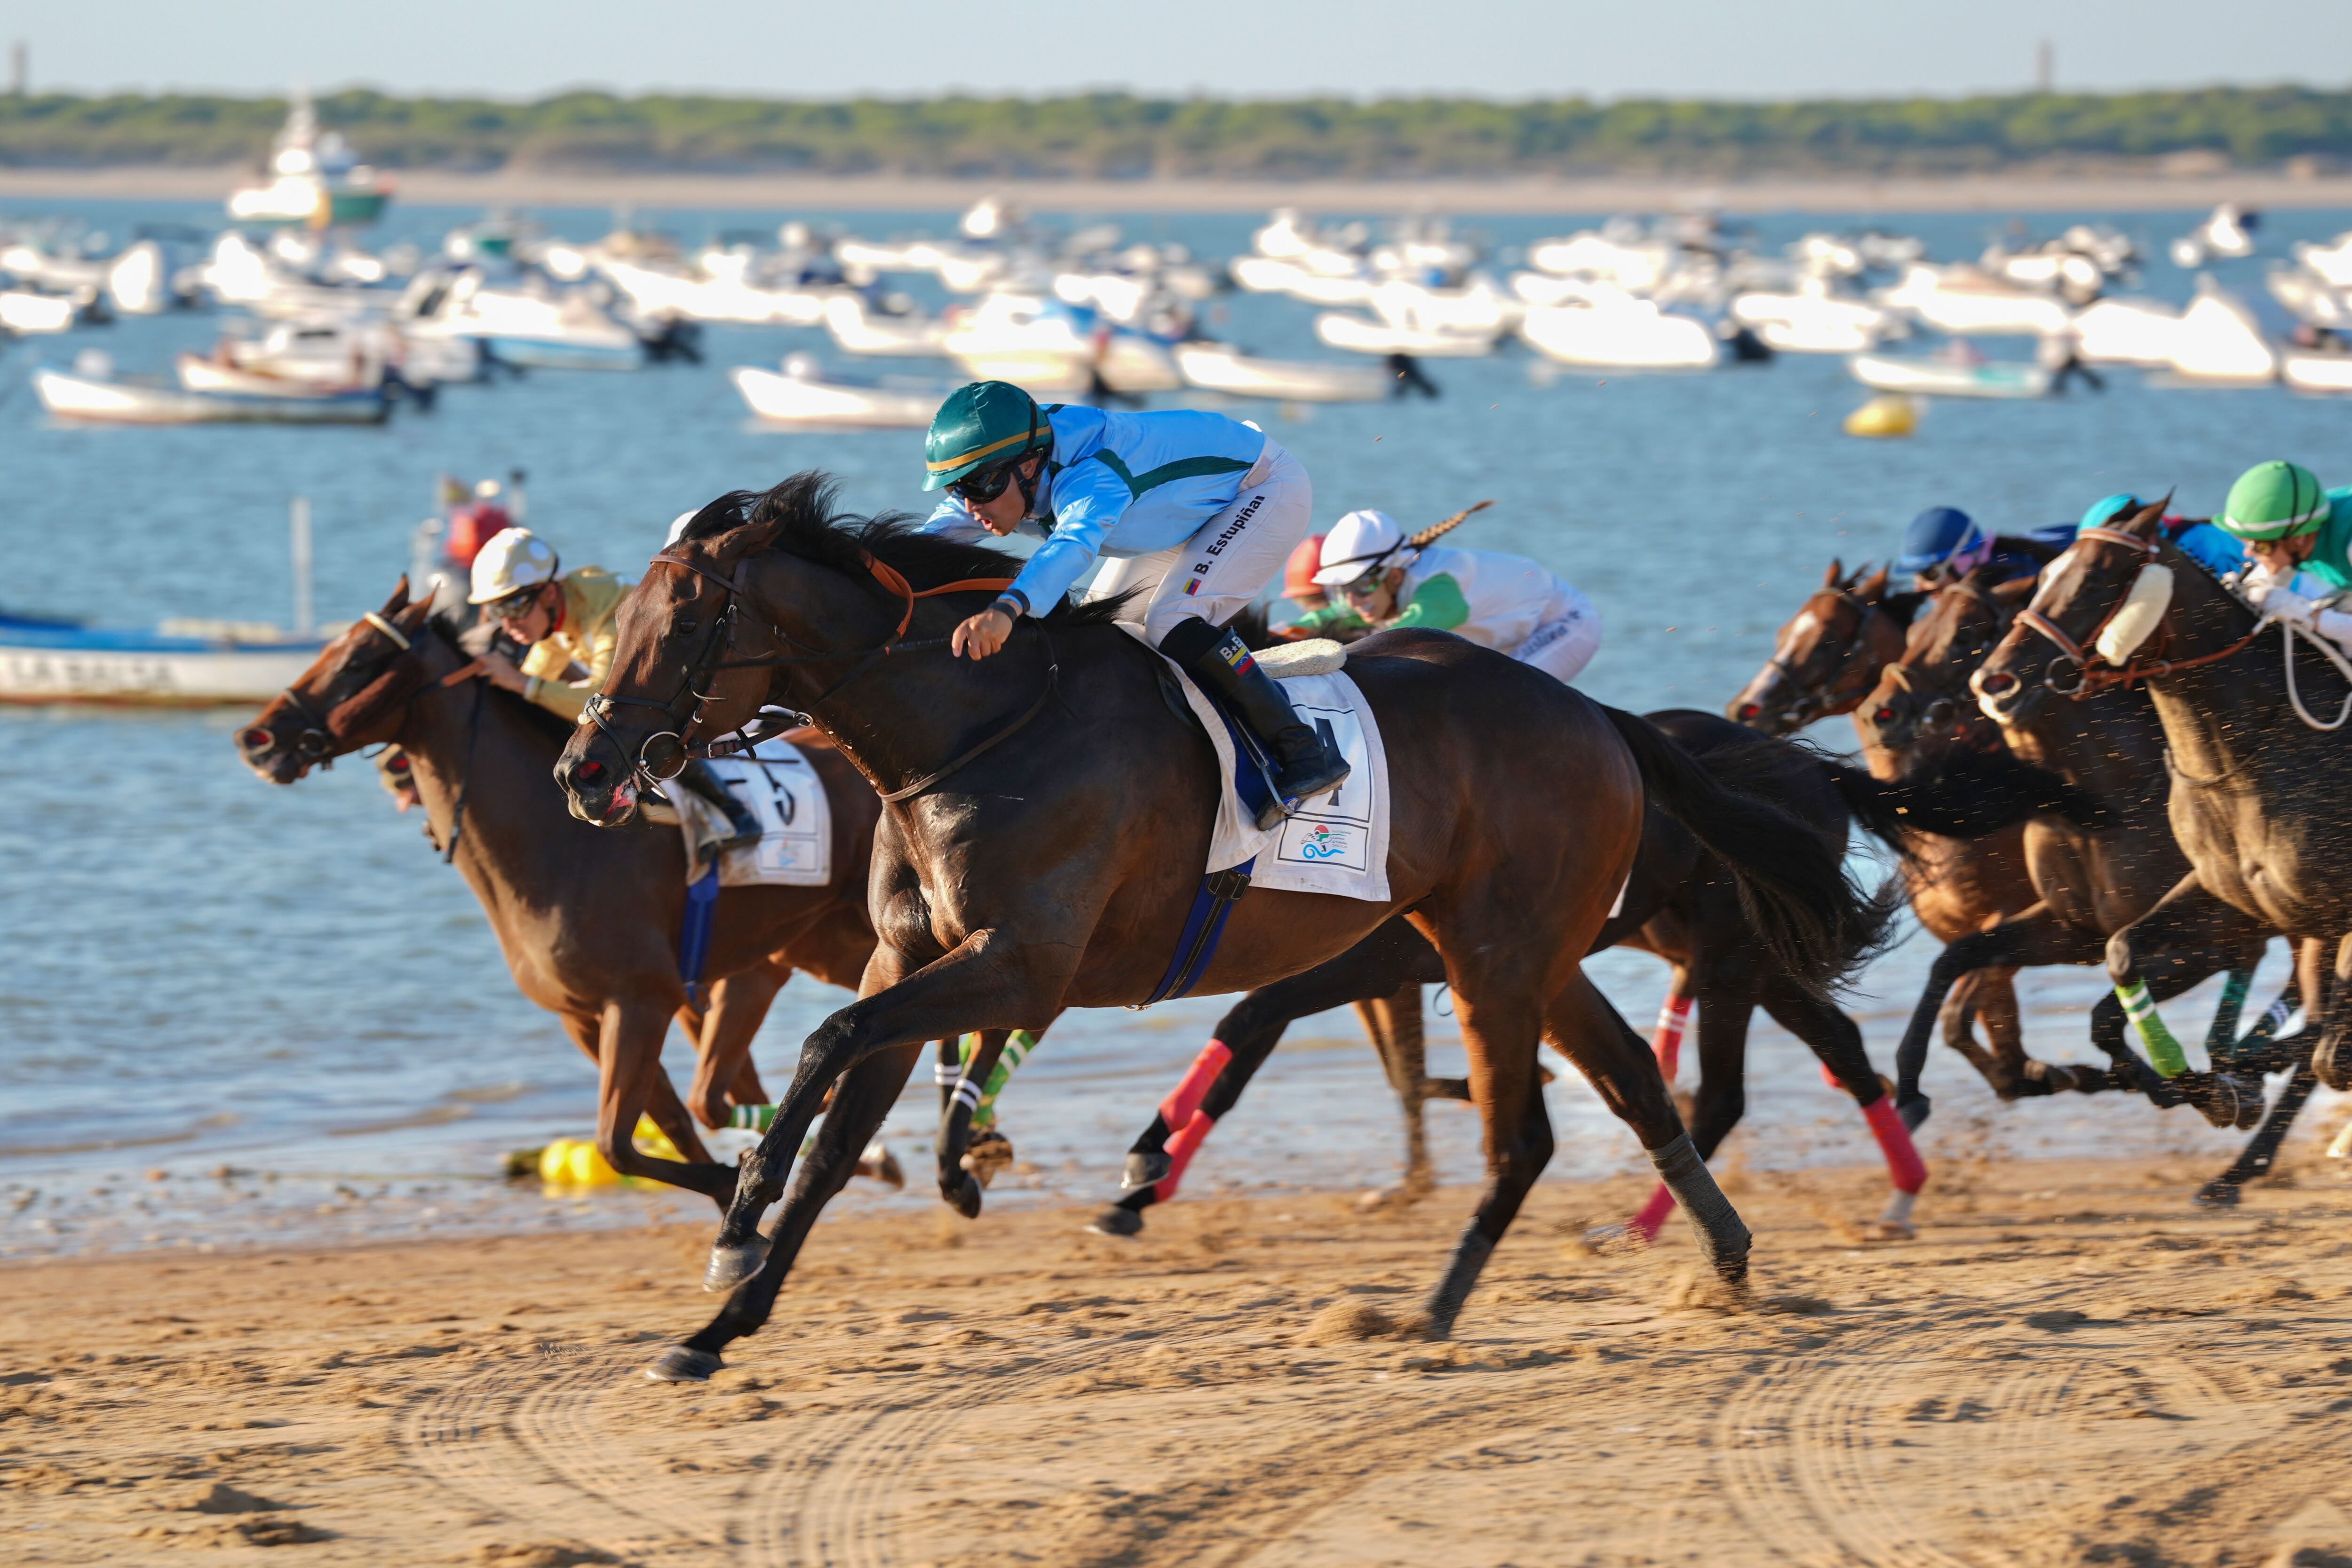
(1563, 646)
(1216, 573)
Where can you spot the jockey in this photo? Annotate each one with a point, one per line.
(2300, 537)
(1944, 544)
(1195, 510)
(2211, 548)
(1503, 602)
(565, 621)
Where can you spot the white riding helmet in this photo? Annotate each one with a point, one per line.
(1359, 542)
(513, 560)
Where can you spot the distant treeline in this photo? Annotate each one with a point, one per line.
(1117, 135)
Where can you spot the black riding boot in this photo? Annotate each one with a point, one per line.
(699, 778)
(1303, 767)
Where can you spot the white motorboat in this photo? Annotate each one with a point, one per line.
(540, 331)
(26, 314)
(1045, 346)
(181, 664)
(2310, 297)
(2228, 232)
(722, 292)
(802, 397)
(1815, 321)
(1962, 301)
(2219, 341)
(1619, 332)
(2317, 372)
(1475, 307)
(862, 332)
(1932, 377)
(1358, 335)
(1221, 367)
(1634, 265)
(329, 351)
(2127, 332)
(198, 374)
(314, 178)
(2332, 261)
(105, 401)
(1265, 275)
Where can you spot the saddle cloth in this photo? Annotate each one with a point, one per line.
(781, 788)
(1338, 843)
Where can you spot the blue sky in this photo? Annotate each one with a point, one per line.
(1227, 48)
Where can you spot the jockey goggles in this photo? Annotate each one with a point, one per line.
(987, 484)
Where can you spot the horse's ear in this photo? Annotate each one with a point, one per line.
(2146, 519)
(411, 618)
(399, 600)
(1873, 587)
(2021, 590)
(1837, 569)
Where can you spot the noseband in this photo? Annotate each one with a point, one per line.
(315, 742)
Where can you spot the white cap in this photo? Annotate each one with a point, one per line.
(513, 560)
(1359, 542)
(678, 526)
(488, 488)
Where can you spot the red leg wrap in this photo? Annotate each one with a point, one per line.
(1674, 1017)
(1831, 1079)
(1177, 1109)
(1903, 1165)
(1182, 1148)
(1654, 1215)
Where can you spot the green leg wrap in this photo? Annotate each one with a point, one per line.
(2221, 1039)
(1016, 1051)
(2163, 1050)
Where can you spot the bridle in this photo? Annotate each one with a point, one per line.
(719, 642)
(2089, 682)
(1810, 704)
(315, 743)
(1941, 709)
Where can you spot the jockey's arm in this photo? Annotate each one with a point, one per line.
(1089, 502)
(1437, 606)
(1332, 620)
(2299, 598)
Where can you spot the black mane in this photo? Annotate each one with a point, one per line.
(802, 515)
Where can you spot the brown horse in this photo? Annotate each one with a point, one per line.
(1825, 661)
(1048, 821)
(2088, 882)
(607, 969)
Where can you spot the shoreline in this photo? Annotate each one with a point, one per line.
(1567, 197)
(1018, 1390)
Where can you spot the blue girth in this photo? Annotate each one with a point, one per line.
(694, 937)
(1214, 902)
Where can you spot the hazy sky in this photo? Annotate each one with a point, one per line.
(1245, 48)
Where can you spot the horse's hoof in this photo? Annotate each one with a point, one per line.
(1890, 1230)
(1614, 1238)
(1914, 1111)
(681, 1364)
(2328, 1063)
(878, 1163)
(2217, 1194)
(1117, 1221)
(731, 1266)
(1380, 1198)
(1144, 1168)
(988, 1154)
(965, 1199)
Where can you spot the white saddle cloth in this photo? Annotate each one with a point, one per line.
(1338, 843)
(781, 788)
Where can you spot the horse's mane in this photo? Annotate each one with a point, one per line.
(1904, 606)
(452, 626)
(801, 516)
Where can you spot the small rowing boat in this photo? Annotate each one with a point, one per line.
(1949, 378)
(804, 398)
(179, 664)
(1221, 367)
(105, 401)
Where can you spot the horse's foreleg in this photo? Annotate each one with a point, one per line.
(984, 981)
(630, 1080)
(1500, 1029)
(2328, 1057)
(865, 1096)
(2032, 938)
(2174, 945)
(1837, 1041)
(2263, 1148)
(723, 1074)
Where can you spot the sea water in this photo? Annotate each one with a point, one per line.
(232, 1012)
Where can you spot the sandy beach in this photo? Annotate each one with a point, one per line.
(2022, 193)
(2069, 1365)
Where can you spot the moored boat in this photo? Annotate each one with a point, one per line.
(2317, 372)
(106, 401)
(802, 397)
(1359, 335)
(1949, 378)
(180, 664)
(1221, 367)
(314, 178)
(1619, 332)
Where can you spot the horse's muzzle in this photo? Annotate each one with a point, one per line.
(259, 745)
(599, 793)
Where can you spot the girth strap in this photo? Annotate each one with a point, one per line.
(1204, 926)
(694, 936)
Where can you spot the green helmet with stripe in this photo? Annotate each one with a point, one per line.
(2274, 500)
(978, 427)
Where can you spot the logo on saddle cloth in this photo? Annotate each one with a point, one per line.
(1326, 843)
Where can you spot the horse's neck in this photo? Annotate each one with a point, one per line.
(2110, 744)
(452, 757)
(2220, 716)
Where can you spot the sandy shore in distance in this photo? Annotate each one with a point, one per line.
(522, 187)
(2070, 1366)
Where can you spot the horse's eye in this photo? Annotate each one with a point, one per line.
(682, 627)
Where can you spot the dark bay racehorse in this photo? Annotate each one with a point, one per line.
(550, 884)
(2257, 797)
(1825, 661)
(1047, 823)
(2089, 881)
(1680, 904)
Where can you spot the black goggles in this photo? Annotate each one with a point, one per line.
(984, 485)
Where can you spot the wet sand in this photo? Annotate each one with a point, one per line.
(1994, 193)
(2069, 1365)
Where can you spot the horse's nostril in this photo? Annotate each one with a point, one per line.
(255, 739)
(1998, 683)
(1884, 716)
(1748, 710)
(588, 772)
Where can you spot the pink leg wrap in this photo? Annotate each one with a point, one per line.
(1182, 1147)
(1908, 1171)
(1674, 1017)
(1177, 1109)
(1654, 1215)
(1830, 1079)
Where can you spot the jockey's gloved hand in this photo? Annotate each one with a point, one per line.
(2286, 605)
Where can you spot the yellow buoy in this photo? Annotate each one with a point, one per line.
(651, 1140)
(575, 1162)
(1890, 414)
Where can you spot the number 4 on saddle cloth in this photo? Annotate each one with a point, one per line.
(1338, 844)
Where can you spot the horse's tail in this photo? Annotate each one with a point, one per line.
(1815, 921)
(1974, 794)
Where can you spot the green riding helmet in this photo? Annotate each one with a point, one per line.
(980, 425)
(2274, 500)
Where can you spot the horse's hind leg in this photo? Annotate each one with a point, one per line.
(630, 1076)
(1837, 1041)
(1724, 980)
(1394, 1022)
(1500, 1028)
(723, 1074)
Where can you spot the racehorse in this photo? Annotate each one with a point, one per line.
(1013, 879)
(1825, 661)
(1678, 903)
(480, 758)
(2256, 797)
(2089, 881)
